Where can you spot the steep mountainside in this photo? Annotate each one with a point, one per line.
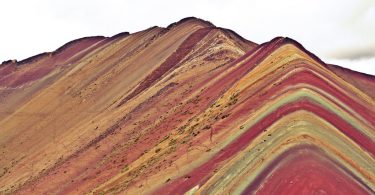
(190, 108)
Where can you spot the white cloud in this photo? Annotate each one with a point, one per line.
(360, 65)
(324, 27)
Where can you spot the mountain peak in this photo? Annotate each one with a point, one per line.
(191, 20)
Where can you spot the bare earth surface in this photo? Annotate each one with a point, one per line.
(190, 108)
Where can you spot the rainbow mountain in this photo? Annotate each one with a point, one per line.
(187, 109)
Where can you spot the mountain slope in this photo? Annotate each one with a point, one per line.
(188, 108)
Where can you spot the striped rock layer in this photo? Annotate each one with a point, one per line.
(187, 109)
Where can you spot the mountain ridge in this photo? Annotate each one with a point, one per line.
(172, 25)
(178, 110)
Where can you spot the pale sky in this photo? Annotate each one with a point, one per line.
(338, 31)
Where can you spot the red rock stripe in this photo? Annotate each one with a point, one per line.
(306, 169)
(201, 174)
(170, 63)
